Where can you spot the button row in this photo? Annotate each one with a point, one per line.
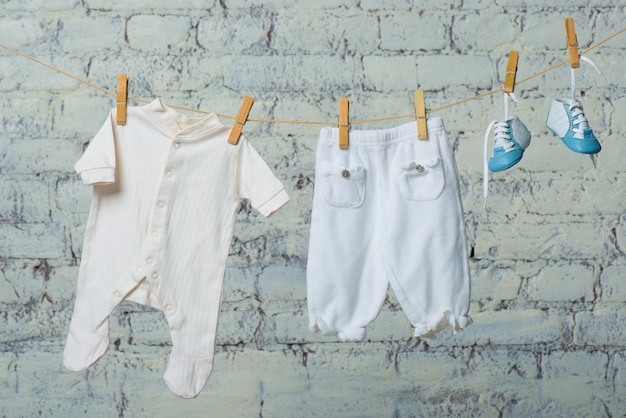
(169, 308)
(154, 275)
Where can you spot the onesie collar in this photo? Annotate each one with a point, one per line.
(177, 125)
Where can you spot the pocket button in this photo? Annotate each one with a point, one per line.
(345, 174)
(419, 168)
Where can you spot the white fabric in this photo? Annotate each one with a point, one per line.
(485, 164)
(573, 76)
(166, 192)
(387, 211)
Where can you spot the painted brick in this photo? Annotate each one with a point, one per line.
(146, 4)
(36, 156)
(32, 321)
(36, 240)
(620, 107)
(508, 327)
(37, 77)
(553, 407)
(104, 33)
(468, 70)
(167, 76)
(23, 199)
(496, 284)
(599, 86)
(278, 282)
(20, 34)
(504, 25)
(390, 73)
(418, 367)
(617, 364)
(575, 364)
(59, 282)
(389, 326)
(238, 326)
(404, 32)
(510, 366)
(542, 31)
(387, 5)
(81, 117)
(239, 384)
(528, 241)
(239, 284)
(21, 117)
(251, 73)
(18, 283)
(286, 4)
(336, 33)
(563, 283)
(164, 32)
(475, 4)
(409, 4)
(339, 365)
(611, 280)
(234, 35)
(52, 5)
(601, 327)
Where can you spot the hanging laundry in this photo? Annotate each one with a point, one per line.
(387, 211)
(511, 137)
(566, 117)
(165, 197)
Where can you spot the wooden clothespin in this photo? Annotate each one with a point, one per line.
(420, 114)
(122, 98)
(240, 121)
(572, 43)
(344, 122)
(511, 72)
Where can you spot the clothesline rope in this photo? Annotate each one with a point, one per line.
(301, 122)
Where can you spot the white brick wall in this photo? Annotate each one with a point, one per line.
(548, 261)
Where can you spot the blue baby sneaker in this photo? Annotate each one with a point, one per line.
(567, 120)
(511, 139)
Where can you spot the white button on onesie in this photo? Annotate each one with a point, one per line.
(167, 189)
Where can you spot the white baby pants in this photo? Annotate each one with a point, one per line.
(387, 211)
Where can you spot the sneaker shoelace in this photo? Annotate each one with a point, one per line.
(579, 120)
(502, 133)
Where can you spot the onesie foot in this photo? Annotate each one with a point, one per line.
(186, 376)
(82, 349)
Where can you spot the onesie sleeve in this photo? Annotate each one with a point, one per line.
(97, 164)
(257, 183)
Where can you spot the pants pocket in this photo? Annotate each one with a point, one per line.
(343, 186)
(421, 179)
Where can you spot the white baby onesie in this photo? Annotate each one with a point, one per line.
(166, 192)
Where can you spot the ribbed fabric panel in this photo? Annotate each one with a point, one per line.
(160, 234)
